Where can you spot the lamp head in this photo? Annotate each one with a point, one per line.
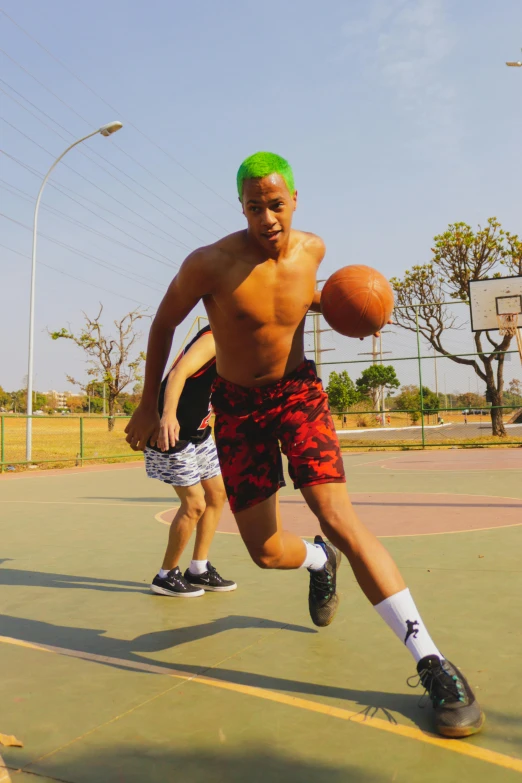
(111, 127)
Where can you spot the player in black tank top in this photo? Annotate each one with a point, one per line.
(193, 411)
(185, 457)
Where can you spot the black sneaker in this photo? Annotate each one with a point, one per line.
(174, 584)
(210, 580)
(322, 597)
(457, 712)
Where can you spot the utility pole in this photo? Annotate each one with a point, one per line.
(376, 353)
(436, 377)
(317, 332)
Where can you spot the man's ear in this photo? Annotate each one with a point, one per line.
(294, 199)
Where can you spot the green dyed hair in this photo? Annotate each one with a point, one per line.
(262, 164)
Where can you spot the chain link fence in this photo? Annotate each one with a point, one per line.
(57, 440)
(439, 402)
(449, 401)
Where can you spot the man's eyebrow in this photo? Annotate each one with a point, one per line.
(270, 200)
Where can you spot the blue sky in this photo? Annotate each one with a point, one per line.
(398, 118)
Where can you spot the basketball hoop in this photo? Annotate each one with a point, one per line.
(508, 325)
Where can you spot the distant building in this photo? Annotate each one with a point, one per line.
(58, 398)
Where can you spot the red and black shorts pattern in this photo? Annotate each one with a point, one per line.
(252, 424)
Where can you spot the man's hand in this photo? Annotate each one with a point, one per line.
(168, 432)
(377, 334)
(143, 427)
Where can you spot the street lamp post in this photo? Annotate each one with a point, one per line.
(105, 130)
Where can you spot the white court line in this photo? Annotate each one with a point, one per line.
(82, 503)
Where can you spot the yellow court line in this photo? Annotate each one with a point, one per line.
(5, 777)
(409, 732)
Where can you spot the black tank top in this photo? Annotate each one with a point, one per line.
(194, 403)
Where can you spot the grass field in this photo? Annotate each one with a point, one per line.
(57, 441)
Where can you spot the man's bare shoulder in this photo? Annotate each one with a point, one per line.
(226, 248)
(208, 262)
(310, 242)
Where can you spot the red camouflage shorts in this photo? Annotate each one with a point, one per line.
(251, 423)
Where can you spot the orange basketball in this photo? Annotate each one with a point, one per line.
(357, 301)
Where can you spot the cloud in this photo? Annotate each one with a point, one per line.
(405, 44)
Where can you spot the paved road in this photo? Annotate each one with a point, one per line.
(432, 434)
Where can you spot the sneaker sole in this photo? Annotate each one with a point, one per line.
(209, 589)
(461, 732)
(172, 594)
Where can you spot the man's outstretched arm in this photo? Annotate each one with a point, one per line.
(190, 284)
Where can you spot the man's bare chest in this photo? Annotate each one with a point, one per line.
(267, 295)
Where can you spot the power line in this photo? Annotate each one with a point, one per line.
(79, 279)
(66, 165)
(99, 155)
(62, 189)
(69, 70)
(64, 216)
(110, 162)
(68, 106)
(25, 135)
(83, 254)
(88, 156)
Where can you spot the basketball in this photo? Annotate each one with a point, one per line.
(357, 301)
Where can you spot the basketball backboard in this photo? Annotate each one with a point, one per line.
(490, 298)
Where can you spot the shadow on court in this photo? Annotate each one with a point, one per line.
(18, 578)
(93, 641)
(139, 762)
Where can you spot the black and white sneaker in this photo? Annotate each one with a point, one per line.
(323, 600)
(210, 580)
(457, 712)
(174, 584)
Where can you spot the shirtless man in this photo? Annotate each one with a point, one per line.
(257, 286)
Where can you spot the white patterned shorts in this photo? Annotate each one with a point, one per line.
(185, 468)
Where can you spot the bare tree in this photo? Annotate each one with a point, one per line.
(460, 255)
(109, 359)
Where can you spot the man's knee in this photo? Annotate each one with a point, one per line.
(194, 507)
(266, 558)
(215, 497)
(334, 519)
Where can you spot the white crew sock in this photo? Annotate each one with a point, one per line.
(402, 616)
(198, 567)
(315, 556)
(162, 573)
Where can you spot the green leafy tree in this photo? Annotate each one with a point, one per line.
(18, 401)
(341, 391)
(92, 405)
(375, 379)
(111, 360)
(40, 401)
(129, 406)
(471, 400)
(458, 256)
(513, 395)
(5, 398)
(409, 400)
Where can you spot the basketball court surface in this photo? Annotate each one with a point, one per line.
(103, 682)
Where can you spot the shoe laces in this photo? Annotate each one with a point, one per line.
(440, 685)
(212, 571)
(176, 576)
(321, 583)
